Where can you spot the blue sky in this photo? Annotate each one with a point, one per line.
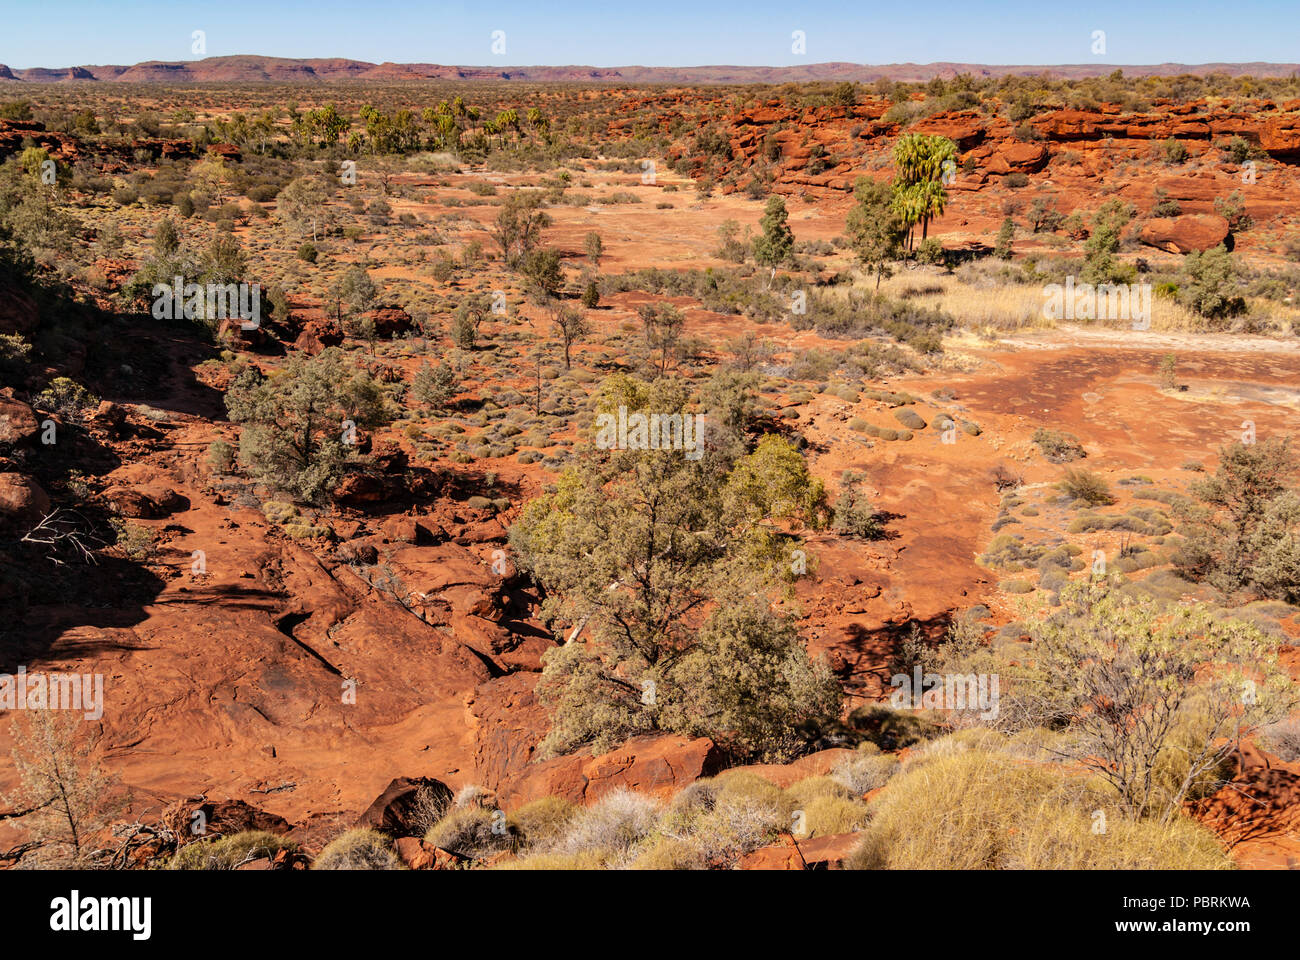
(660, 33)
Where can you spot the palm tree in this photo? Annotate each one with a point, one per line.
(448, 129)
(508, 119)
(536, 121)
(919, 194)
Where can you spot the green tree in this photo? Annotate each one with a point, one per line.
(301, 205)
(1006, 233)
(663, 328)
(639, 552)
(571, 326)
(1100, 263)
(775, 244)
(1212, 284)
(434, 386)
(519, 225)
(166, 239)
(465, 322)
(298, 422)
(356, 291)
(541, 268)
(873, 228)
(920, 162)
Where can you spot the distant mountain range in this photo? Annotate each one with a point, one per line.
(256, 69)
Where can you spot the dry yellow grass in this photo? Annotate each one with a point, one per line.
(980, 809)
(1000, 307)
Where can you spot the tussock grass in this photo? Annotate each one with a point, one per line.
(360, 849)
(227, 853)
(981, 809)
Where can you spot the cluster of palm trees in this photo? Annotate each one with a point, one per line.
(918, 193)
(451, 121)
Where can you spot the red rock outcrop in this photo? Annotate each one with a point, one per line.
(22, 502)
(17, 422)
(396, 809)
(658, 765)
(1186, 234)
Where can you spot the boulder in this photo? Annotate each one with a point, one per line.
(18, 423)
(219, 818)
(390, 321)
(818, 853)
(965, 128)
(358, 488)
(396, 811)
(1199, 231)
(109, 414)
(416, 530)
(660, 765)
(316, 335)
(227, 151)
(360, 551)
(418, 855)
(388, 456)
(1024, 157)
(1280, 136)
(22, 501)
(144, 503)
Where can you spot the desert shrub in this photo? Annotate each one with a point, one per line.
(931, 251)
(865, 770)
(1238, 150)
(827, 814)
(723, 818)
(891, 729)
(434, 386)
(475, 832)
(294, 434)
(15, 353)
(66, 397)
(1057, 446)
(909, 418)
(540, 823)
(221, 456)
(610, 828)
(1233, 209)
(229, 852)
(1239, 531)
(670, 853)
(359, 849)
(1210, 289)
(1164, 206)
(1175, 151)
(1148, 694)
(1102, 245)
(1085, 485)
(854, 516)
